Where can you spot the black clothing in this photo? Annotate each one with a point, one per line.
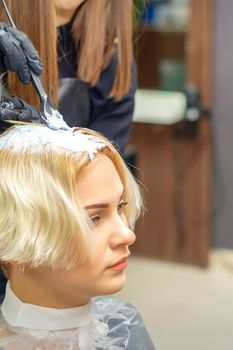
(82, 105)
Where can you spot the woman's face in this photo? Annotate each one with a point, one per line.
(65, 9)
(100, 191)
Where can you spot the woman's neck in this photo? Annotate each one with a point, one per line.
(31, 288)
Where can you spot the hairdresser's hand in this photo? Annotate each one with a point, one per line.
(16, 109)
(17, 53)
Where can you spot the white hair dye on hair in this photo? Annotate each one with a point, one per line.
(36, 138)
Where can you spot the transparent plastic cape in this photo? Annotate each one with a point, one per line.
(116, 326)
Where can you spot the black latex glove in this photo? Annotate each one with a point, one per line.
(16, 109)
(17, 53)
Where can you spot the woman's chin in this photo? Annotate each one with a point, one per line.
(116, 284)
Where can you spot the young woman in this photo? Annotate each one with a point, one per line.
(68, 206)
(86, 48)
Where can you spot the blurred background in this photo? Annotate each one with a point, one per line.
(181, 271)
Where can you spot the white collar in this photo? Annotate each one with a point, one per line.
(18, 314)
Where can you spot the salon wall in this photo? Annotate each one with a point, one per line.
(223, 124)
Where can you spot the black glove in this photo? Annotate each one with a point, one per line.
(17, 53)
(15, 109)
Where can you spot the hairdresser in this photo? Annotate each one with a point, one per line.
(86, 49)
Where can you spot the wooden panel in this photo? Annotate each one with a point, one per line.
(175, 171)
(151, 48)
(199, 48)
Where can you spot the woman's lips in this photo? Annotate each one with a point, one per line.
(120, 264)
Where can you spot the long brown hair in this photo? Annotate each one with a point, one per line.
(97, 39)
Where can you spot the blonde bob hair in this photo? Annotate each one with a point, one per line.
(41, 221)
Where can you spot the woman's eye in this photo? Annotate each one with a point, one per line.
(95, 219)
(121, 205)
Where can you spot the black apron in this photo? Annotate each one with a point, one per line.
(74, 102)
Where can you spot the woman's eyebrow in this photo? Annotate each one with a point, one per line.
(97, 205)
(101, 205)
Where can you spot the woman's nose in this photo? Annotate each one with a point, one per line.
(122, 235)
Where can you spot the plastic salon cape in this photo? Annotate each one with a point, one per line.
(104, 324)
